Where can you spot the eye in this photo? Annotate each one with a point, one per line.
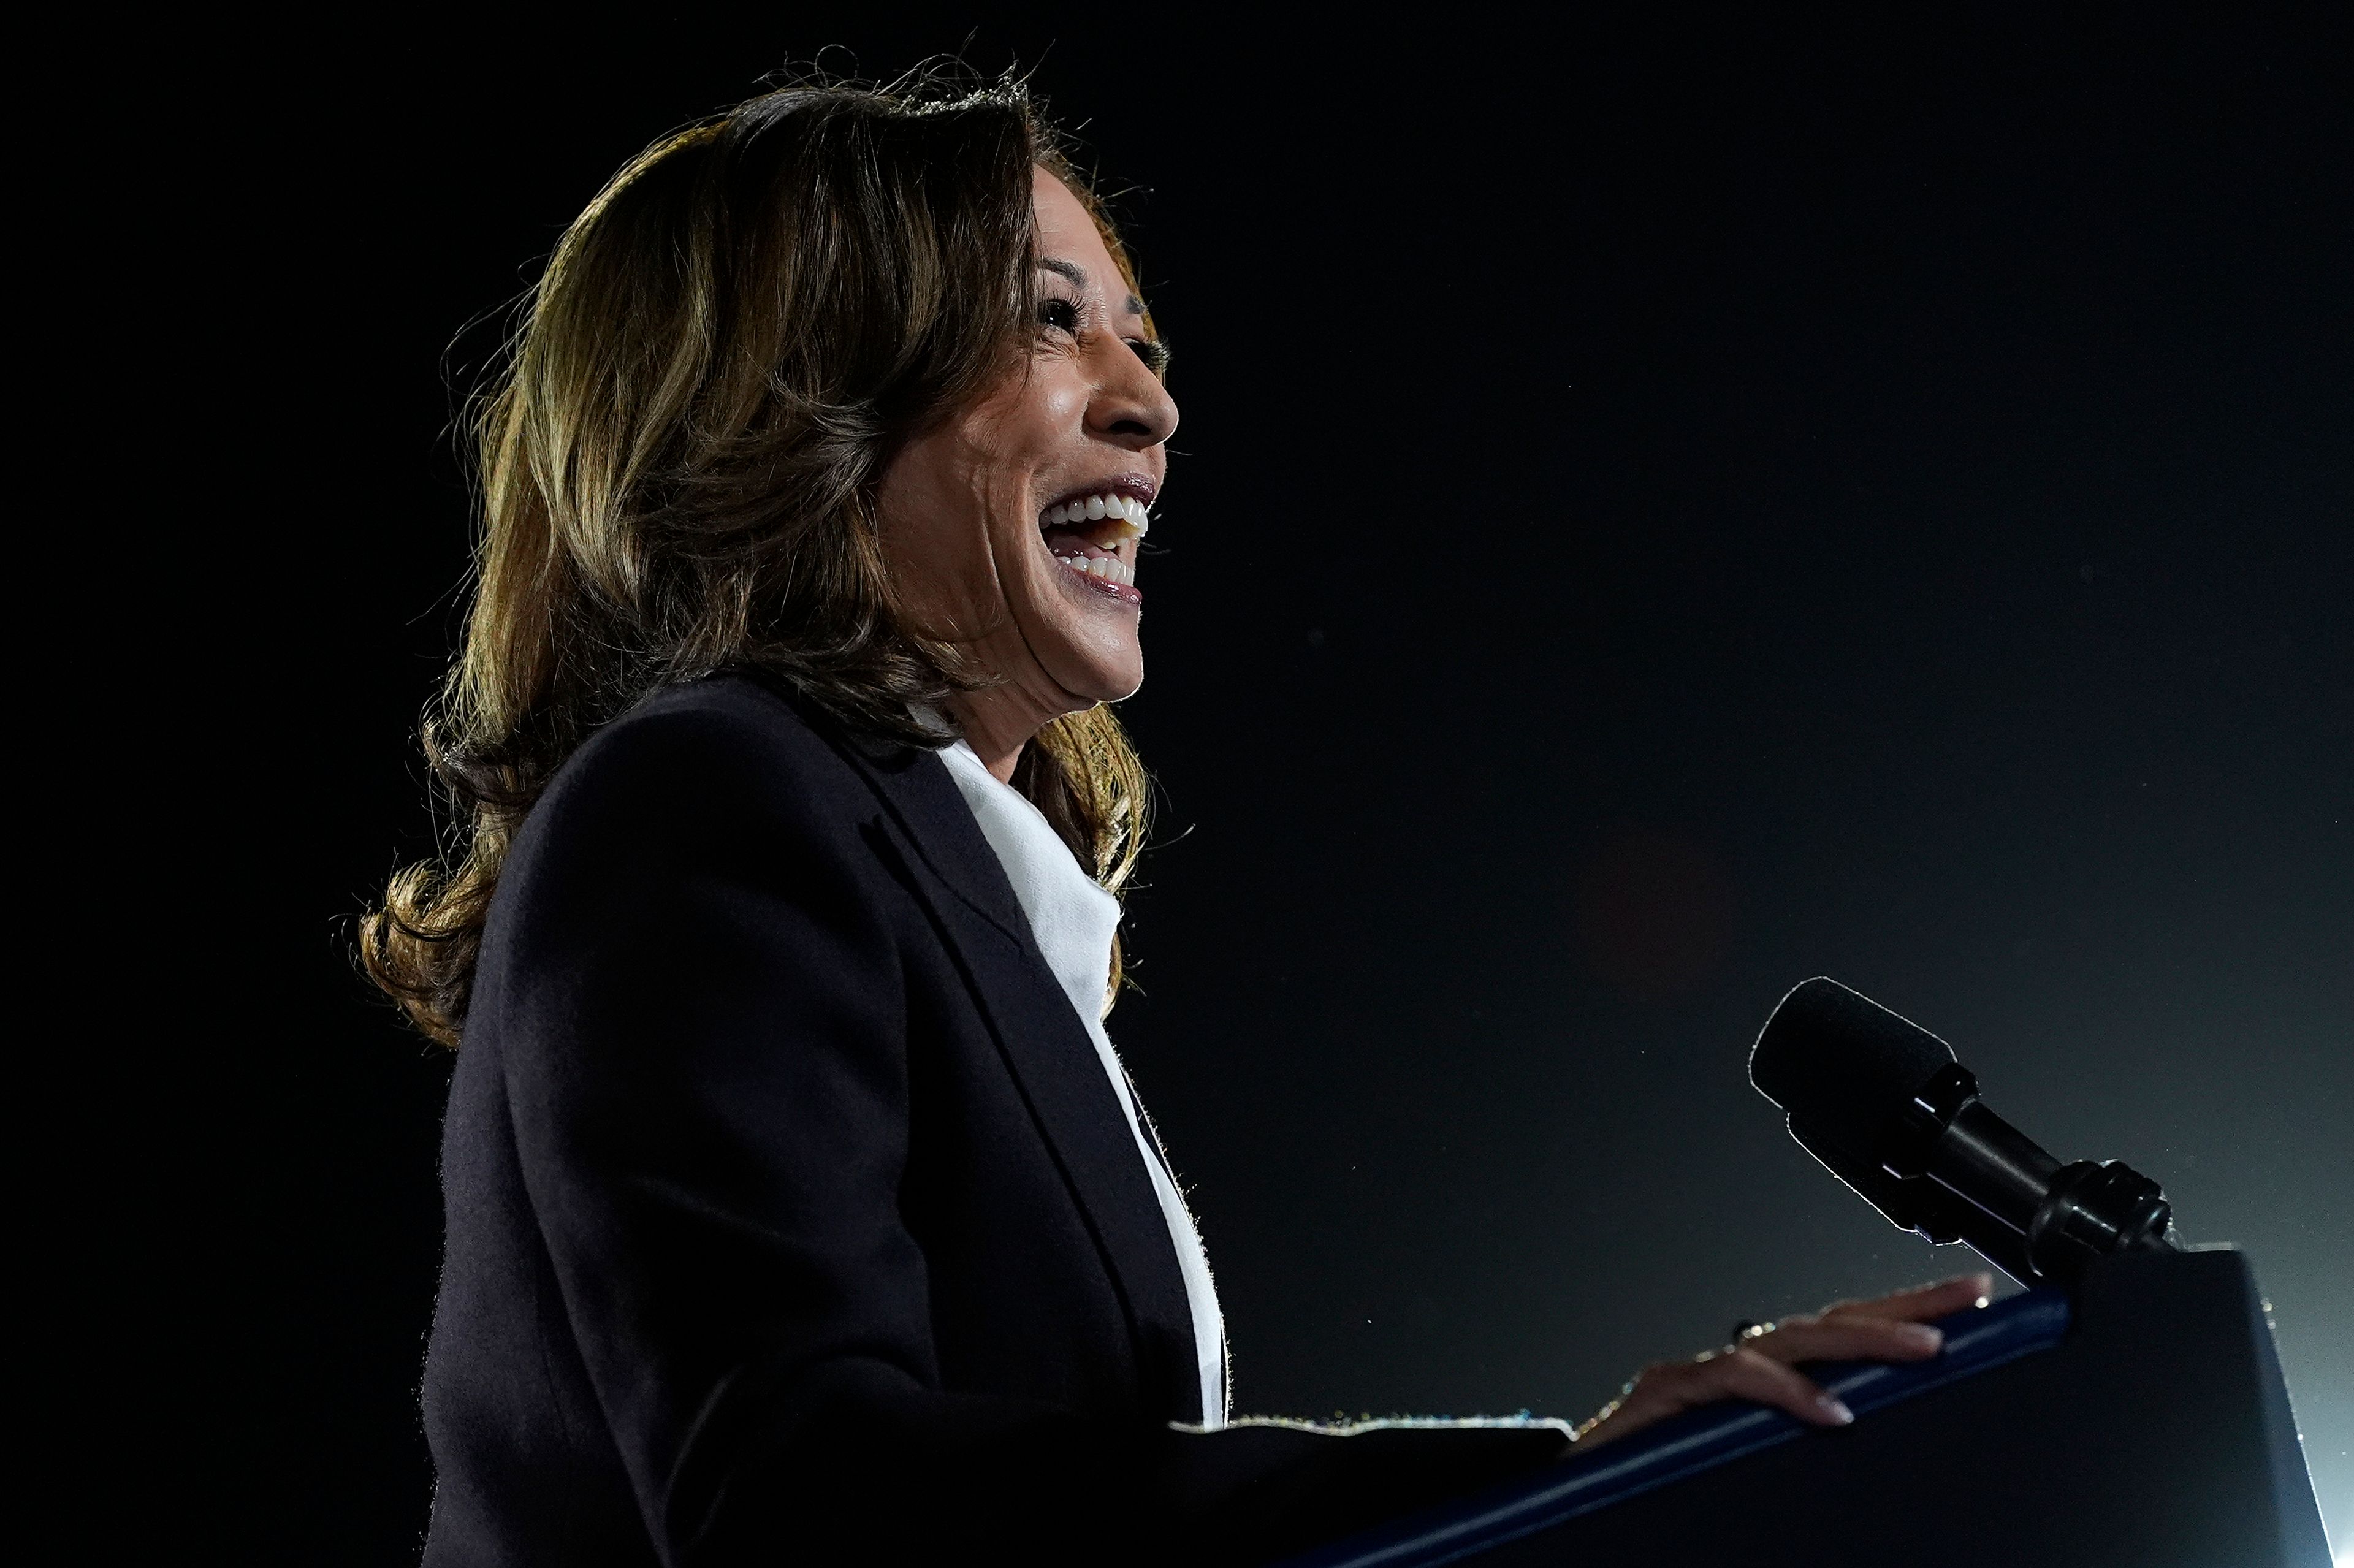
(1059, 315)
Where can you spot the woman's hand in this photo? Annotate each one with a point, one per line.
(1758, 1366)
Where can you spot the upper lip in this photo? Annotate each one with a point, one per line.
(1136, 486)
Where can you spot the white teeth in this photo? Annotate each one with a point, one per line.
(1125, 517)
(1111, 568)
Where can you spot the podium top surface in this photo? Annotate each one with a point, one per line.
(1697, 1440)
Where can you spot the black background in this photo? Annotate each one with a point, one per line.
(1664, 510)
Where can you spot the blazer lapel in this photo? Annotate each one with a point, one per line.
(954, 872)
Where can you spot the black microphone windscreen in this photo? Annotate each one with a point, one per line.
(1841, 1063)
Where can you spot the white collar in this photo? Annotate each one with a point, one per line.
(1073, 918)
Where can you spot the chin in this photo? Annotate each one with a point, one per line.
(1098, 674)
(1109, 685)
(1094, 653)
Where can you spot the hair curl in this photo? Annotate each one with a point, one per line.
(679, 457)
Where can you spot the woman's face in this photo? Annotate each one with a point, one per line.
(1012, 527)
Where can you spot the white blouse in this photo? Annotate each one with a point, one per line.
(1073, 918)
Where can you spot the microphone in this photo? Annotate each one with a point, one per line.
(1883, 1103)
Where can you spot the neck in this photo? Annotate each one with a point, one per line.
(998, 722)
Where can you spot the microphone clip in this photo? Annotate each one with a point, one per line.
(2055, 1218)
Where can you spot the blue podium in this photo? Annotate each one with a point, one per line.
(2138, 1421)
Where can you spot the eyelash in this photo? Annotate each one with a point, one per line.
(1154, 354)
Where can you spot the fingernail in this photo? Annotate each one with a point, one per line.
(1921, 1335)
(1834, 1408)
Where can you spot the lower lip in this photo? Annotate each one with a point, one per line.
(1120, 593)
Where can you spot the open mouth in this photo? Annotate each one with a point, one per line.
(1090, 535)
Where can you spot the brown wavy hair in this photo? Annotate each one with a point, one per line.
(679, 456)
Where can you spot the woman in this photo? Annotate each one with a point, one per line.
(794, 1190)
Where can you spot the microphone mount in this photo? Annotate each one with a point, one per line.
(2063, 1216)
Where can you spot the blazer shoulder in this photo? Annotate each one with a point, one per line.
(729, 712)
(709, 744)
(714, 773)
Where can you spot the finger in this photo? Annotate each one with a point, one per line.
(1742, 1373)
(1854, 1339)
(1964, 1288)
(1746, 1375)
(1925, 1301)
(1659, 1392)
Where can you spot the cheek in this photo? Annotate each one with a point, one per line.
(1064, 409)
(1040, 415)
(1029, 434)
(939, 503)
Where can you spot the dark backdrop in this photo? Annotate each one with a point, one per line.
(1662, 512)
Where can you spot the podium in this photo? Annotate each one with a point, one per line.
(2136, 1422)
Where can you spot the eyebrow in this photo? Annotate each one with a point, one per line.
(1079, 275)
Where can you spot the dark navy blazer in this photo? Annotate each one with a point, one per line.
(791, 1215)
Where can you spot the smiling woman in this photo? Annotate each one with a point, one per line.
(1058, 464)
(680, 471)
(795, 1195)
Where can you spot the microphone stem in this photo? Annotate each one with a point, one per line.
(1983, 1159)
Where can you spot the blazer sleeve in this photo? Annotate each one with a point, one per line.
(679, 951)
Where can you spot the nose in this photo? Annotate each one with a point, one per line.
(1130, 405)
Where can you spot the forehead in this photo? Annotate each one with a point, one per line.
(1067, 233)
